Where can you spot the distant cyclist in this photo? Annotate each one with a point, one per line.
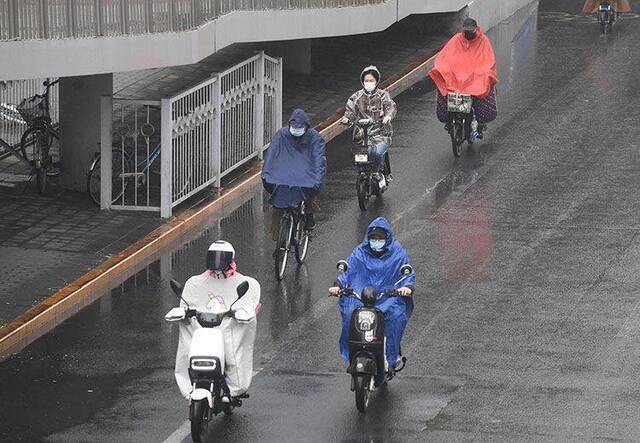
(620, 6)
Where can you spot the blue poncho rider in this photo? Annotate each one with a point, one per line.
(294, 169)
(376, 262)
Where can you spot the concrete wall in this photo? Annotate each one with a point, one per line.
(491, 12)
(80, 125)
(87, 56)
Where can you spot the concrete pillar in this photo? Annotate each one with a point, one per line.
(80, 125)
(297, 56)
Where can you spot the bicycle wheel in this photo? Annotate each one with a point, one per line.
(37, 137)
(302, 242)
(117, 186)
(41, 140)
(283, 246)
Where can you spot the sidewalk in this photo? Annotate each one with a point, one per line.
(47, 242)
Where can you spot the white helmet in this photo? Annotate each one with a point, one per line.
(220, 255)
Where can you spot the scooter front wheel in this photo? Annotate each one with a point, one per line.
(457, 139)
(362, 392)
(199, 416)
(362, 188)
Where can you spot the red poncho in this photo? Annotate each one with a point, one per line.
(619, 5)
(467, 67)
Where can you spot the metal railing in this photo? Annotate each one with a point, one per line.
(135, 147)
(217, 126)
(54, 19)
(204, 134)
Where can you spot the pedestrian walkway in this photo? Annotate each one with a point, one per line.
(47, 242)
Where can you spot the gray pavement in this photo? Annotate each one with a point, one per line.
(526, 322)
(47, 242)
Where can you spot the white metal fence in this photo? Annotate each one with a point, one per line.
(130, 150)
(205, 133)
(43, 19)
(12, 92)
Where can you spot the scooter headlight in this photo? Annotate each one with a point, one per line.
(203, 365)
(366, 319)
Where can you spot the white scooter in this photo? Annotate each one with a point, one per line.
(210, 394)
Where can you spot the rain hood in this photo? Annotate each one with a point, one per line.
(365, 269)
(296, 161)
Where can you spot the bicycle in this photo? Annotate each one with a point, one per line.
(292, 232)
(40, 133)
(123, 170)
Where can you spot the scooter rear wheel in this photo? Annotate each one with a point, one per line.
(362, 392)
(199, 416)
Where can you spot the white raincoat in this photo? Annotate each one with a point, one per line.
(238, 336)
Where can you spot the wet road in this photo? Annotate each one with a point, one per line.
(527, 319)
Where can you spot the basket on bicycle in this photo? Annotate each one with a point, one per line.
(32, 108)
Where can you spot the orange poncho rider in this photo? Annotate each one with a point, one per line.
(467, 65)
(591, 6)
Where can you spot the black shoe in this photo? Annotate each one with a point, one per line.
(447, 127)
(389, 178)
(309, 222)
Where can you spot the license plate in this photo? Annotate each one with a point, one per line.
(362, 158)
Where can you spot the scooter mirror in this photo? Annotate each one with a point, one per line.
(406, 270)
(176, 287)
(176, 314)
(342, 266)
(242, 289)
(243, 315)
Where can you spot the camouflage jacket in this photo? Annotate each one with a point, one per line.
(375, 106)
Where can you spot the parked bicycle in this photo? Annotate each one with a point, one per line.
(123, 172)
(294, 236)
(40, 134)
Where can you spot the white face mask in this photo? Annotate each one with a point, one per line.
(369, 86)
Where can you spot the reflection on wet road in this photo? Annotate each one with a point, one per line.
(526, 323)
